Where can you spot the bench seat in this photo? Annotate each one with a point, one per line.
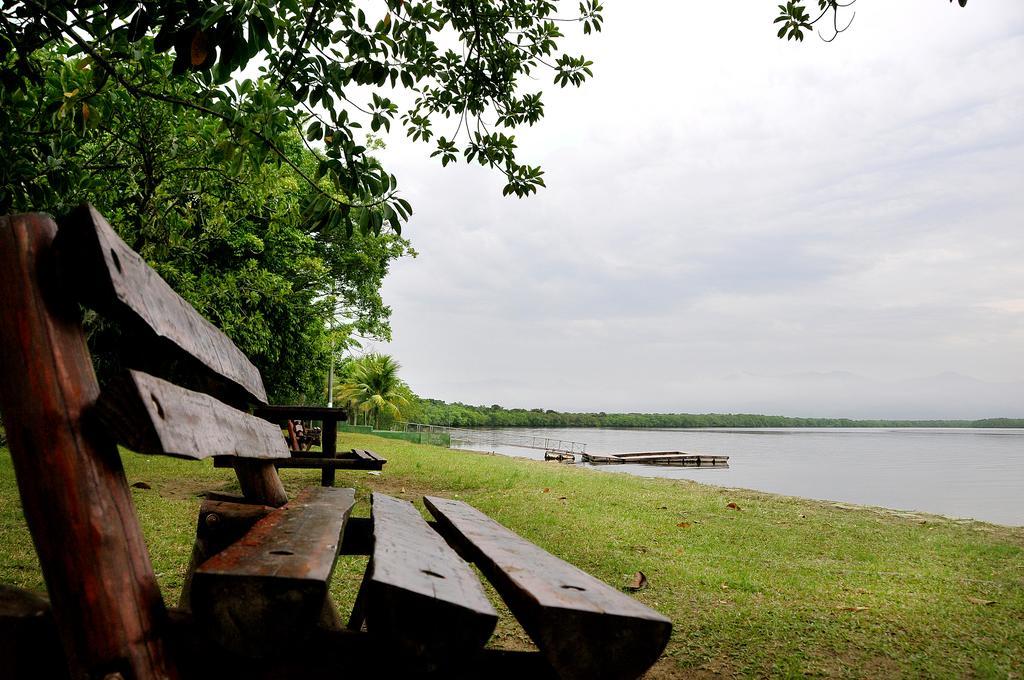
(345, 460)
(271, 585)
(255, 598)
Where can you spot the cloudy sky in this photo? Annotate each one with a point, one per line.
(738, 223)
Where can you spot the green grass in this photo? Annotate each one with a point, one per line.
(780, 587)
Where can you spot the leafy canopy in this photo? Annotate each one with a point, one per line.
(328, 68)
(229, 235)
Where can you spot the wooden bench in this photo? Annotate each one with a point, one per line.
(329, 458)
(255, 601)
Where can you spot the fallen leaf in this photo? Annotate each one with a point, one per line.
(684, 525)
(639, 582)
(546, 489)
(141, 485)
(852, 609)
(981, 601)
(733, 506)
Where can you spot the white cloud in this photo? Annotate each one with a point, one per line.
(722, 203)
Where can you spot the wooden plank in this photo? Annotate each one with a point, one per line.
(112, 278)
(221, 523)
(29, 644)
(420, 596)
(153, 416)
(676, 459)
(362, 454)
(584, 627)
(642, 454)
(282, 413)
(270, 586)
(596, 458)
(310, 463)
(667, 454)
(299, 453)
(77, 504)
(331, 464)
(330, 654)
(644, 459)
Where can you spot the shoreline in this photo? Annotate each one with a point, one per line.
(844, 505)
(775, 586)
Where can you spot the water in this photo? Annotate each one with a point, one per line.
(977, 473)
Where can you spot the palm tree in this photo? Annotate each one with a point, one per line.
(374, 386)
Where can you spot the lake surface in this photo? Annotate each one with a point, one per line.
(977, 473)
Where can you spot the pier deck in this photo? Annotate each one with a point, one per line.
(677, 458)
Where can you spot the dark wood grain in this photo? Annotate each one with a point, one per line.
(282, 413)
(221, 523)
(77, 504)
(258, 479)
(585, 628)
(332, 463)
(270, 585)
(153, 416)
(29, 645)
(113, 279)
(312, 463)
(366, 454)
(420, 596)
(330, 448)
(330, 654)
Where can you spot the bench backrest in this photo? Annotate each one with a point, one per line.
(63, 430)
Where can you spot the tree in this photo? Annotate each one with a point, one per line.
(373, 385)
(230, 237)
(326, 69)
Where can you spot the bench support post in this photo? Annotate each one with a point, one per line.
(329, 444)
(76, 501)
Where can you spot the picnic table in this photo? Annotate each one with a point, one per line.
(255, 600)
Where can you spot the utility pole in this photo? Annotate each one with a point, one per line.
(330, 378)
(330, 374)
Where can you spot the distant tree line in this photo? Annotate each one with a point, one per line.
(436, 412)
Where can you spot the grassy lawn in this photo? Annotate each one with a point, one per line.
(781, 586)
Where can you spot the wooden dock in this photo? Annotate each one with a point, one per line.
(677, 458)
